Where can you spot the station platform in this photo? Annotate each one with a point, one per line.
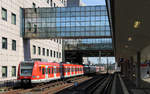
(130, 84)
(124, 85)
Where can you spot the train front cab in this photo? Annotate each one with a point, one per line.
(25, 72)
(37, 72)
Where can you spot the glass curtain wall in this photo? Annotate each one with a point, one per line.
(67, 22)
(84, 27)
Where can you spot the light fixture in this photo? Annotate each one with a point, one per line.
(129, 38)
(136, 24)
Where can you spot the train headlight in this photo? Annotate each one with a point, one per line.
(33, 76)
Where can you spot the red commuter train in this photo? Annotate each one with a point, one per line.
(38, 72)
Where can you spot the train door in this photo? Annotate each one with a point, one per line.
(65, 71)
(46, 72)
(70, 71)
(54, 71)
(74, 71)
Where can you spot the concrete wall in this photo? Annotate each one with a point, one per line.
(10, 58)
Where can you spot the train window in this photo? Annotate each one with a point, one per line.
(52, 70)
(46, 71)
(64, 70)
(49, 70)
(58, 70)
(43, 70)
(40, 68)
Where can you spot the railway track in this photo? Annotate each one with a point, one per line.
(48, 88)
(98, 85)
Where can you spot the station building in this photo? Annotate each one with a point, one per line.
(11, 40)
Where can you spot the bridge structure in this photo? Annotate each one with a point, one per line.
(85, 30)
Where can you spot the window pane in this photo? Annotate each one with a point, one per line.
(47, 52)
(39, 50)
(4, 43)
(4, 71)
(54, 53)
(4, 14)
(34, 49)
(51, 53)
(44, 51)
(14, 71)
(14, 45)
(13, 19)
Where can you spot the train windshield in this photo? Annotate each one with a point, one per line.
(26, 68)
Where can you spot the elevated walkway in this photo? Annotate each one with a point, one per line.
(85, 30)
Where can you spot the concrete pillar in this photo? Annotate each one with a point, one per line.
(126, 69)
(131, 66)
(63, 51)
(138, 74)
(26, 46)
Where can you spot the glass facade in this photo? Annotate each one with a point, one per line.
(84, 27)
(67, 22)
(89, 44)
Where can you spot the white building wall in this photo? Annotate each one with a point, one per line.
(10, 58)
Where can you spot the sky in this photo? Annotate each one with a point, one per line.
(94, 2)
(95, 60)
